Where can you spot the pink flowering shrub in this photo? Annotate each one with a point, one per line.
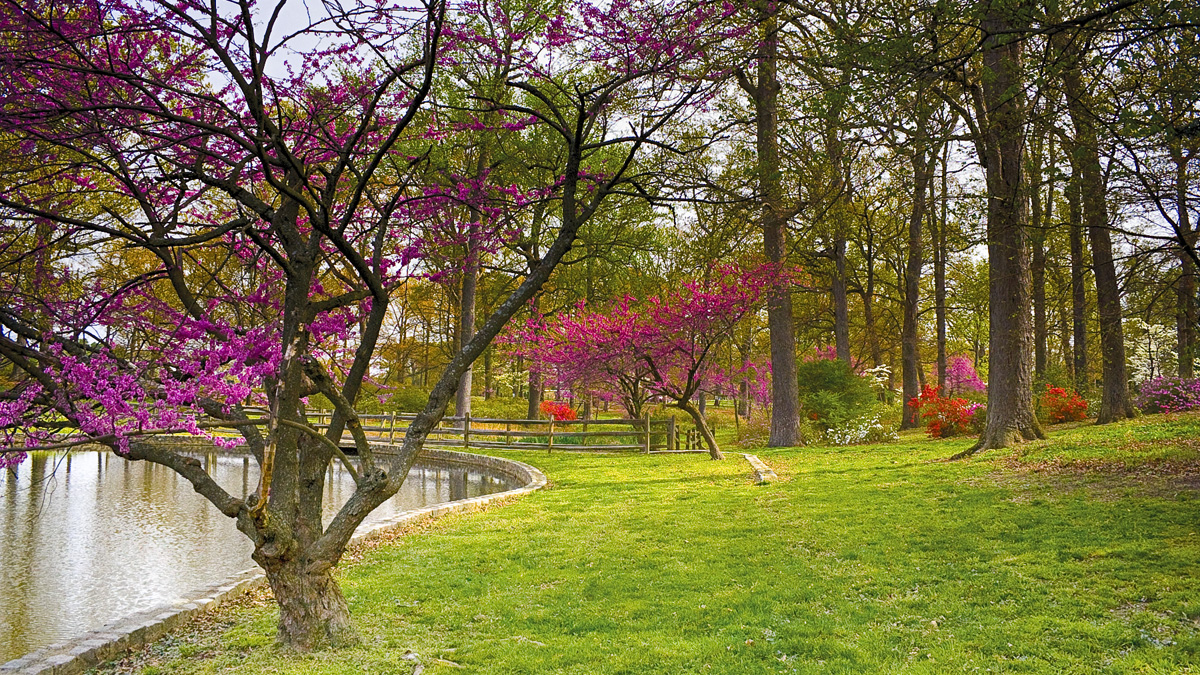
(1169, 395)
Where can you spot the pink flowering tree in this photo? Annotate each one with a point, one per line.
(589, 352)
(208, 207)
(663, 346)
(961, 377)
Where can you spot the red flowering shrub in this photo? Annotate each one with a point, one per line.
(944, 416)
(1059, 405)
(560, 411)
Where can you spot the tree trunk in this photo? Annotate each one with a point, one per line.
(939, 270)
(1010, 415)
(1185, 323)
(466, 325)
(713, 451)
(534, 393)
(1038, 269)
(785, 392)
(841, 302)
(910, 360)
(1185, 317)
(1078, 286)
(1064, 338)
(312, 609)
(872, 330)
(1114, 398)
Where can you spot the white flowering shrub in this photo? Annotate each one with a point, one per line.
(868, 428)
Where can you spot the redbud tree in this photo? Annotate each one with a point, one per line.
(662, 346)
(206, 206)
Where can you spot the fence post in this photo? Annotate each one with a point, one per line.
(550, 437)
(508, 432)
(467, 431)
(392, 433)
(647, 423)
(671, 433)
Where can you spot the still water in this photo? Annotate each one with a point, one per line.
(87, 537)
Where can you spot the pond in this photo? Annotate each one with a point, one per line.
(87, 537)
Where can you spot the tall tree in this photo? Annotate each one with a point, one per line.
(999, 136)
(763, 87)
(1115, 402)
(921, 162)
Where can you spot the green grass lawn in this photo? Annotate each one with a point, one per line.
(1075, 555)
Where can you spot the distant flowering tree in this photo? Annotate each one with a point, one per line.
(961, 377)
(205, 214)
(1152, 349)
(663, 346)
(826, 353)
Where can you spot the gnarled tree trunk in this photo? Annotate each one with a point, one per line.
(312, 608)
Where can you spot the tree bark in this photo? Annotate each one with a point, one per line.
(466, 324)
(1185, 318)
(1114, 401)
(313, 613)
(1078, 285)
(764, 94)
(1185, 290)
(910, 359)
(1038, 268)
(939, 270)
(1010, 416)
(841, 301)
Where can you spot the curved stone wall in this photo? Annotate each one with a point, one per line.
(114, 640)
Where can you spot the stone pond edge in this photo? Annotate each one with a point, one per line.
(125, 635)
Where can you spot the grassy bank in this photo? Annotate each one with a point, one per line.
(1075, 555)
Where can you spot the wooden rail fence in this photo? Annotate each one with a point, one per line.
(645, 435)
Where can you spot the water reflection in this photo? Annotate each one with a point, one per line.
(88, 537)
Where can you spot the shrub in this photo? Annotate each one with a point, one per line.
(500, 407)
(560, 410)
(979, 418)
(407, 399)
(1059, 405)
(944, 416)
(1169, 394)
(832, 393)
(868, 428)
